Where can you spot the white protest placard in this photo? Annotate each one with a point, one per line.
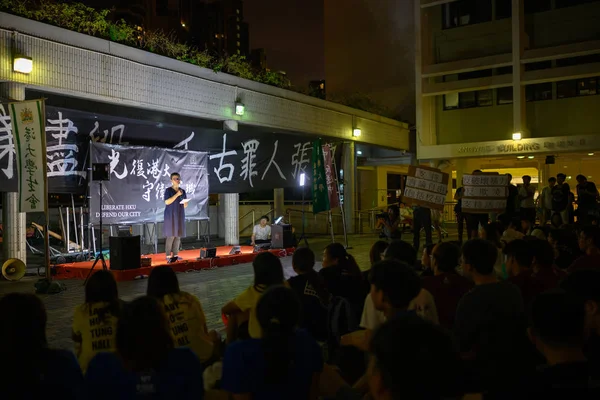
(484, 193)
(28, 126)
(425, 187)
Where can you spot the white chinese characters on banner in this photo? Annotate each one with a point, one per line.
(272, 162)
(426, 187)
(28, 122)
(7, 145)
(484, 193)
(301, 158)
(62, 157)
(248, 162)
(224, 166)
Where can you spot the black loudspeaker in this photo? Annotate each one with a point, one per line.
(125, 252)
(101, 172)
(282, 237)
(550, 160)
(208, 253)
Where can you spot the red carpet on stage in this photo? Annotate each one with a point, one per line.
(80, 270)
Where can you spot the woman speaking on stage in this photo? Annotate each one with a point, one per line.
(174, 222)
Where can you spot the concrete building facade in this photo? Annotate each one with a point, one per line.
(504, 83)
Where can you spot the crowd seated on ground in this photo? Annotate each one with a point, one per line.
(504, 316)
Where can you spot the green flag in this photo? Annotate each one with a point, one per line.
(319, 182)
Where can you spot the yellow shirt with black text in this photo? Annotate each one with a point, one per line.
(188, 323)
(97, 334)
(247, 301)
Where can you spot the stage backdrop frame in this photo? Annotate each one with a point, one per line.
(139, 176)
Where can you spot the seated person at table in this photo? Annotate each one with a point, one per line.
(261, 232)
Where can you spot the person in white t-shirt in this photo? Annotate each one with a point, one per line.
(526, 196)
(261, 232)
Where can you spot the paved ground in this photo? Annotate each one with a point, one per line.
(213, 287)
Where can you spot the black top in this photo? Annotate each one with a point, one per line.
(314, 312)
(560, 196)
(575, 381)
(586, 198)
(458, 206)
(511, 200)
(339, 283)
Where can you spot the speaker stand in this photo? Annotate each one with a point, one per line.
(100, 256)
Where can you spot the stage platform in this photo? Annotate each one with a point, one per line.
(189, 261)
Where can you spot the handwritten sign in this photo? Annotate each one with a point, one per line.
(426, 187)
(484, 193)
(28, 121)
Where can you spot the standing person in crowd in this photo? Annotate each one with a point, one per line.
(461, 218)
(490, 323)
(527, 201)
(512, 200)
(422, 220)
(545, 202)
(95, 321)
(585, 284)
(436, 223)
(560, 199)
(187, 321)
(261, 233)
(446, 285)
(147, 364)
(391, 226)
(174, 218)
(30, 370)
(587, 197)
(267, 272)
(310, 289)
(557, 320)
(342, 276)
(285, 364)
(589, 244)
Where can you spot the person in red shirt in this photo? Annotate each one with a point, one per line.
(446, 286)
(589, 243)
(545, 274)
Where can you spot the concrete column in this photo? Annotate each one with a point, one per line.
(349, 168)
(229, 206)
(461, 168)
(14, 223)
(278, 203)
(519, 38)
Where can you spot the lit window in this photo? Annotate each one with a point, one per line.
(238, 35)
(238, 19)
(238, 44)
(237, 11)
(238, 27)
(239, 52)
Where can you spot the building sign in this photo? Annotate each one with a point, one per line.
(426, 187)
(511, 147)
(30, 137)
(237, 162)
(484, 193)
(138, 179)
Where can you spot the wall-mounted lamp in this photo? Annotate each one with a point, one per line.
(516, 136)
(240, 109)
(356, 132)
(22, 64)
(359, 153)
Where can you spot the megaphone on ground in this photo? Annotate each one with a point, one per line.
(13, 269)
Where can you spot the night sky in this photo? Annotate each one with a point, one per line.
(291, 32)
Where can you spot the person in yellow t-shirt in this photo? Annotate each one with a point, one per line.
(187, 321)
(267, 272)
(95, 321)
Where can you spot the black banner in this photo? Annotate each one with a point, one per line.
(238, 162)
(138, 179)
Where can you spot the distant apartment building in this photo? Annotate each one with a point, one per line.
(215, 25)
(501, 84)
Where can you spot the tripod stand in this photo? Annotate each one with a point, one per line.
(100, 256)
(303, 236)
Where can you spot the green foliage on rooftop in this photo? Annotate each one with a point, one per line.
(101, 23)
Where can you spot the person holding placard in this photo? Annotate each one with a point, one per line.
(174, 222)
